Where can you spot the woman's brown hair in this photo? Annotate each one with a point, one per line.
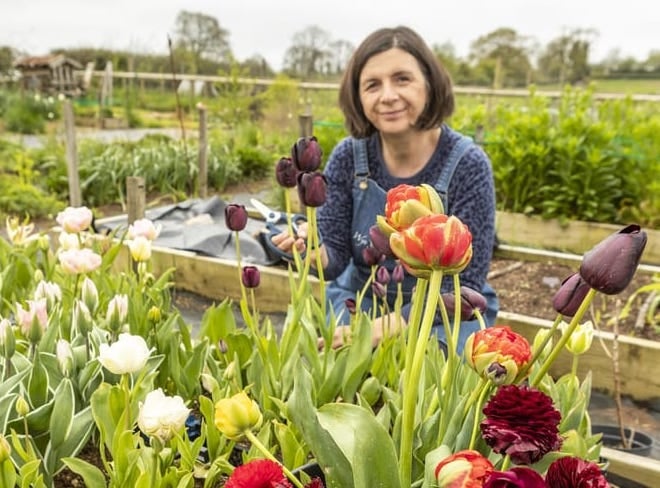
(440, 103)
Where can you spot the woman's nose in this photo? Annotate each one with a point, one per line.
(389, 92)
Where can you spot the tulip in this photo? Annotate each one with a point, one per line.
(405, 204)
(433, 242)
(539, 339)
(64, 355)
(22, 406)
(75, 219)
(162, 416)
(250, 277)
(82, 318)
(515, 478)
(7, 339)
(236, 415)
(500, 346)
(570, 295)
(398, 273)
(463, 469)
(610, 265)
(306, 154)
(5, 450)
(351, 306)
(33, 320)
(128, 355)
(154, 314)
(286, 173)
(379, 289)
(140, 248)
(78, 261)
(90, 295)
(383, 275)
(49, 291)
(117, 312)
(18, 233)
(145, 228)
(580, 340)
(236, 217)
(380, 241)
(570, 471)
(372, 256)
(471, 301)
(68, 241)
(312, 189)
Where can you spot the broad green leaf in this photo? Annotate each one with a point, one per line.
(64, 409)
(218, 322)
(7, 474)
(91, 475)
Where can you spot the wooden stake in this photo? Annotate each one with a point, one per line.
(203, 152)
(75, 199)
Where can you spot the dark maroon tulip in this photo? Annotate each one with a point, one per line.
(312, 188)
(372, 256)
(570, 295)
(286, 172)
(251, 277)
(236, 217)
(306, 154)
(379, 289)
(380, 241)
(383, 275)
(471, 301)
(571, 471)
(519, 477)
(398, 273)
(350, 305)
(610, 265)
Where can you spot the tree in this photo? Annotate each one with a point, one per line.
(309, 54)
(566, 58)
(504, 56)
(199, 36)
(339, 53)
(7, 56)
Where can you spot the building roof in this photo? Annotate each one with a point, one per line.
(49, 61)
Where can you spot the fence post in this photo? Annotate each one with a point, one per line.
(306, 122)
(203, 152)
(135, 198)
(479, 135)
(71, 154)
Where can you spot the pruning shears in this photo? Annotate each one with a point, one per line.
(276, 223)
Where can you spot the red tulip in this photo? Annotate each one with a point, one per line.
(515, 478)
(610, 265)
(306, 154)
(464, 469)
(312, 188)
(251, 277)
(405, 204)
(236, 217)
(501, 346)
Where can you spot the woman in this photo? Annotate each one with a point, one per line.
(395, 97)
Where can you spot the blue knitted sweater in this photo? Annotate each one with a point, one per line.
(471, 198)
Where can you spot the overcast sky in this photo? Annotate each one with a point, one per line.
(266, 27)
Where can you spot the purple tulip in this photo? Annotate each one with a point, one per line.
(610, 265)
(383, 275)
(236, 217)
(380, 241)
(350, 305)
(251, 277)
(570, 295)
(398, 273)
(306, 154)
(379, 289)
(312, 188)
(286, 173)
(518, 477)
(372, 256)
(471, 301)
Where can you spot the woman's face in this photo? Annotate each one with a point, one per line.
(393, 91)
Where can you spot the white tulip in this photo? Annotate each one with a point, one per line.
(128, 355)
(162, 416)
(140, 248)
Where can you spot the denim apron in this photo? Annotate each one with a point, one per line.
(369, 201)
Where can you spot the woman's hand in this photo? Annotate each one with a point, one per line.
(383, 326)
(285, 242)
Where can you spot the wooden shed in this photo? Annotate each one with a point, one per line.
(52, 74)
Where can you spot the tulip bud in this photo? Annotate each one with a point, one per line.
(237, 414)
(570, 295)
(209, 383)
(539, 338)
(286, 173)
(383, 275)
(580, 340)
(351, 306)
(610, 265)
(140, 248)
(370, 390)
(154, 314)
(471, 301)
(306, 154)
(236, 217)
(82, 319)
(312, 188)
(398, 273)
(117, 312)
(7, 339)
(22, 406)
(5, 449)
(464, 468)
(90, 295)
(64, 355)
(372, 256)
(250, 276)
(380, 241)
(379, 289)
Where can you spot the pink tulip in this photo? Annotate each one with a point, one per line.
(78, 261)
(75, 219)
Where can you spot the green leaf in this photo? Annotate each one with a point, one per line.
(218, 322)
(64, 409)
(359, 356)
(7, 474)
(91, 475)
(38, 383)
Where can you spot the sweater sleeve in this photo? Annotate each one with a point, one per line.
(335, 215)
(472, 200)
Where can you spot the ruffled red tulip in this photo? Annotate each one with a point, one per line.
(251, 277)
(471, 301)
(464, 469)
(500, 346)
(286, 172)
(405, 204)
(236, 217)
(260, 473)
(515, 478)
(380, 241)
(306, 154)
(570, 295)
(610, 265)
(573, 472)
(434, 242)
(372, 256)
(521, 422)
(312, 189)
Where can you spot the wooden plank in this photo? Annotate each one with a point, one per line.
(573, 237)
(640, 369)
(643, 470)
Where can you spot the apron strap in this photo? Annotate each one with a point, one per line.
(447, 172)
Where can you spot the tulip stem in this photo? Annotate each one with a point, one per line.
(414, 369)
(127, 399)
(564, 338)
(475, 425)
(257, 443)
(239, 268)
(525, 369)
